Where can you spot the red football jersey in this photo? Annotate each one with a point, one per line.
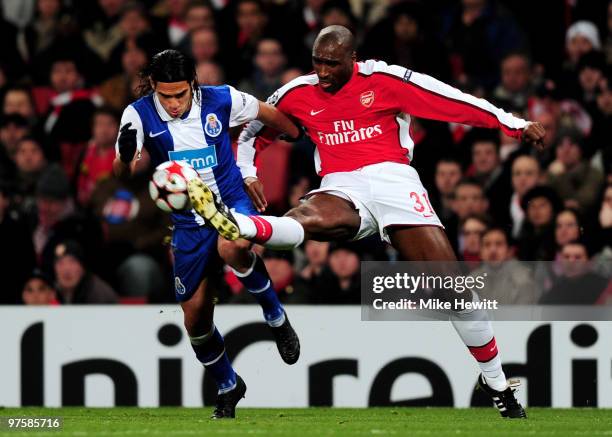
(368, 120)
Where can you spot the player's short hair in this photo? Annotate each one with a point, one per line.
(169, 66)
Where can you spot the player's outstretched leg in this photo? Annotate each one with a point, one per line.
(250, 269)
(272, 232)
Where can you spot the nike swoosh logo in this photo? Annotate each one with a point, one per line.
(153, 135)
(313, 112)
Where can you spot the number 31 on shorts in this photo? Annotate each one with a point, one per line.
(421, 204)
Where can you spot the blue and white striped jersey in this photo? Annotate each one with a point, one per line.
(201, 138)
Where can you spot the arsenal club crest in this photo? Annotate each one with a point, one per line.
(367, 98)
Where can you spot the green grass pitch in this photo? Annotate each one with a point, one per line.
(317, 422)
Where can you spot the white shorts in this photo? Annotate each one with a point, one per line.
(385, 194)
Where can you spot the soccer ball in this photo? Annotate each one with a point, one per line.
(168, 186)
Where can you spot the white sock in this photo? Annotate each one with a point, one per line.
(476, 331)
(279, 232)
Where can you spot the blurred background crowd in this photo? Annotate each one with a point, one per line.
(72, 233)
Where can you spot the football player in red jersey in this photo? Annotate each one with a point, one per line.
(358, 114)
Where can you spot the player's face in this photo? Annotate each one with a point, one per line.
(333, 64)
(175, 97)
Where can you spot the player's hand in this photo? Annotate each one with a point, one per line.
(255, 190)
(533, 134)
(127, 143)
(289, 139)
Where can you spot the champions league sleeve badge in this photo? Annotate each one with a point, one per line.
(212, 126)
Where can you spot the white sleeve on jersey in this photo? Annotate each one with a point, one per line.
(245, 107)
(245, 155)
(131, 115)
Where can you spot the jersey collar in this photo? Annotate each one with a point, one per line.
(194, 112)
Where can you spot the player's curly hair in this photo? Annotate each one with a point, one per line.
(168, 66)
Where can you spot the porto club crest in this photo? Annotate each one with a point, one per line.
(213, 125)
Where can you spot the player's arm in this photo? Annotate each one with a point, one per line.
(423, 96)
(129, 142)
(264, 124)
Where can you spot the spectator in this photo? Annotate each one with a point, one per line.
(134, 236)
(252, 23)
(404, 38)
(30, 162)
(488, 171)
(591, 71)
(608, 43)
(580, 38)
(13, 128)
(210, 73)
(526, 174)
(479, 35)
(175, 20)
(317, 255)
(97, 163)
(537, 238)
(50, 24)
(68, 122)
(75, 283)
(576, 285)
(137, 32)
(104, 32)
(447, 176)
(39, 289)
(269, 64)
(121, 89)
(572, 177)
(602, 261)
(198, 15)
(515, 88)
(11, 58)
(344, 285)
(468, 199)
(469, 243)
(599, 140)
(18, 100)
(17, 255)
(339, 12)
(58, 219)
(507, 280)
(204, 45)
(568, 227)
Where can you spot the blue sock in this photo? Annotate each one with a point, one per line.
(257, 281)
(210, 351)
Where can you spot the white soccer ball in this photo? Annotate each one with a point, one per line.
(168, 186)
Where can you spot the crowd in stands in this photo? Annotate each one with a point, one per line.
(72, 233)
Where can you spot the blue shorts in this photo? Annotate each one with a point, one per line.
(195, 252)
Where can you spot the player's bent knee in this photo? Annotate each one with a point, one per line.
(230, 250)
